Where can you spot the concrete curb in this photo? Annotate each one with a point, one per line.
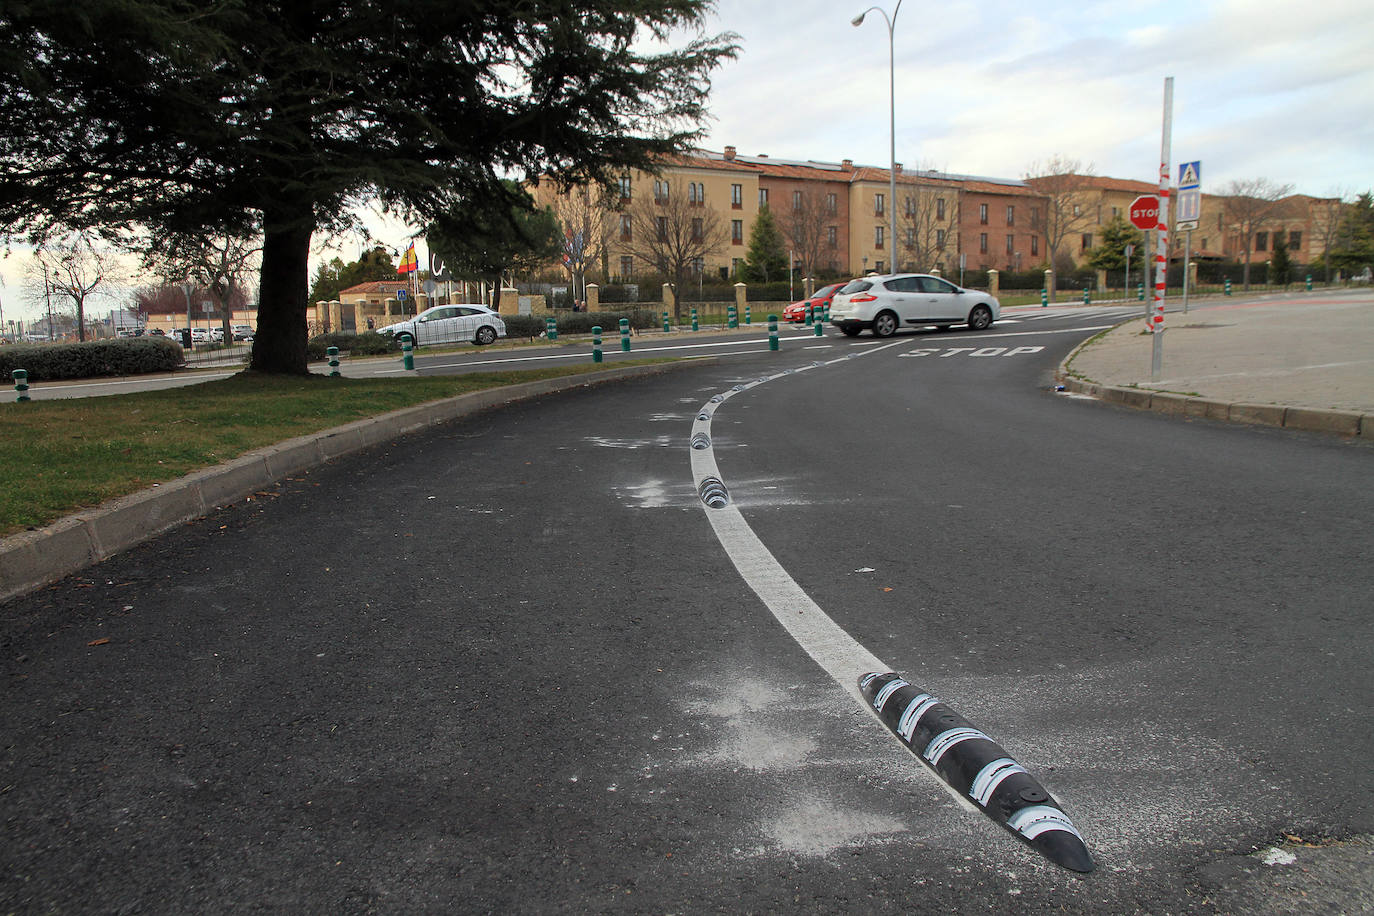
(1311, 419)
(32, 559)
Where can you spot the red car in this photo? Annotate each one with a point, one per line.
(796, 312)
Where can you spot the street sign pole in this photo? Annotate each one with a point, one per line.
(1189, 212)
(1162, 252)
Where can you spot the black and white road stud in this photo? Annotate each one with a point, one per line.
(974, 765)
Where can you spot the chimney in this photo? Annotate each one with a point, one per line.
(847, 165)
(729, 153)
(763, 156)
(897, 166)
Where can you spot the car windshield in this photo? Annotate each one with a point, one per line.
(857, 286)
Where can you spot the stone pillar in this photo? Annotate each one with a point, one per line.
(1049, 284)
(1101, 280)
(336, 316)
(808, 287)
(742, 297)
(392, 311)
(994, 282)
(510, 301)
(321, 314)
(1192, 275)
(593, 297)
(669, 299)
(421, 302)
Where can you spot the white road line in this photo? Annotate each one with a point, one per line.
(839, 654)
(984, 335)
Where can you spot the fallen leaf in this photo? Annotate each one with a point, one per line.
(99, 642)
(887, 589)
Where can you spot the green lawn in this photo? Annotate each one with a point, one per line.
(57, 456)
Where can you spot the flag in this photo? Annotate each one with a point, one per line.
(409, 264)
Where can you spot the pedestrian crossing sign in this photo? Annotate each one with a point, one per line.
(1189, 175)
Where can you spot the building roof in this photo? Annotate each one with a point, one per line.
(376, 287)
(1100, 183)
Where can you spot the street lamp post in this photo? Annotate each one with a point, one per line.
(891, 117)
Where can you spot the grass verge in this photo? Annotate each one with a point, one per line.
(58, 456)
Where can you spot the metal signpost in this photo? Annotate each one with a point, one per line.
(1162, 251)
(1189, 212)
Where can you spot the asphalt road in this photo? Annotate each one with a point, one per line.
(508, 666)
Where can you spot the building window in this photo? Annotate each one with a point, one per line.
(910, 207)
(625, 187)
(697, 232)
(1035, 245)
(1077, 210)
(911, 238)
(878, 266)
(1011, 216)
(832, 237)
(878, 236)
(698, 265)
(878, 205)
(736, 265)
(1035, 217)
(1204, 245)
(1116, 211)
(983, 214)
(662, 222)
(1294, 240)
(1087, 241)
(940, 208)
(627, 268)
(940, 239)
(696, 193)
(736, 232)
(796, 200)
(660, 191)
(737, 196)
(625, 232)
(1261, 241)
(763, 197)
(1011, 244)
(830, 204)
(983, 242)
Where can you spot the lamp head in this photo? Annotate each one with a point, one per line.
(859, 19)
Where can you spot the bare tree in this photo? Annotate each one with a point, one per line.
(74, 269)
(1248, 205)
(1060, 180)
(928, 224)
(584, 216)
(1326, 224)
(673, 233)
(223, 265)
(805, 225)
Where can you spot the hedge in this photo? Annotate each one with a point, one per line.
(121, 356)
(368, 343)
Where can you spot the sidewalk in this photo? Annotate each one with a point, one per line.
(1304, 360)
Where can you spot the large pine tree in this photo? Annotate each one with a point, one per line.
(283, 115)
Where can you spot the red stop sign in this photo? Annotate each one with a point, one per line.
(1145, 212)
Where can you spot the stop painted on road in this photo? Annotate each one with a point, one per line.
(945, 353)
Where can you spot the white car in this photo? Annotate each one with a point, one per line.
(882, 304)
(449, 324)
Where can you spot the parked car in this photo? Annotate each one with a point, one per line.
(243, 332)
(200, 335)
(449, 324)
(157, 332)
(818, 301)
(882, 304)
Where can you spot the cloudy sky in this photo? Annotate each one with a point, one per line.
(1262, 89)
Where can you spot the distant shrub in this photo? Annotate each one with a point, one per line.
(368, 343)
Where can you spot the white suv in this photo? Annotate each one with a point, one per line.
(449, 324)
(882, 304)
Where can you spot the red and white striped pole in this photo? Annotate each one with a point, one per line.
(1162, 232)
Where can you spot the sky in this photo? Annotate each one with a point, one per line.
(1262, 89)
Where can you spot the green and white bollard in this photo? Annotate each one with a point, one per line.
(695, 326)
(748, 315)
(1140, 292)
(1087, 299)
(551, 328)
(625, 335)
(819, 328)
(732, 316)
(1309, 283)
(21, 383)
(810, 315)
(826, 317)
(1044, 298)
(666, 326)
(407, 354)
(596, 344)
(1228, 287)
(333, 354)
(772, 332)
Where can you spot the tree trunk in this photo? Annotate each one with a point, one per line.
(279, 345)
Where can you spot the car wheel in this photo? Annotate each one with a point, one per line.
(980, 319)
(485, 335)
(885, 324)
